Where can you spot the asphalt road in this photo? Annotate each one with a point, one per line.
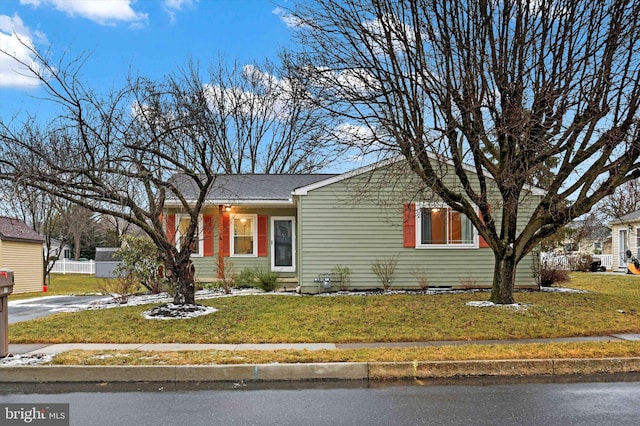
(28, 309)
(567, 404)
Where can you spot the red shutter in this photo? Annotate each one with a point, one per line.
(207, 222)
(226, 236)
(262, 236)
(482, 243)
(170, 229)
(409, 225)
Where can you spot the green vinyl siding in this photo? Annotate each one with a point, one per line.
(207, 266)
(338, 228)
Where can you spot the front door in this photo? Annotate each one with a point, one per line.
(623, 246)
(283, 244)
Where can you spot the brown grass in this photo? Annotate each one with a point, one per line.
(450, 353)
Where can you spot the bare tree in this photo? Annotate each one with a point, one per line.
(262, 119)
(489, 95)
(42, 212)
(625, 200)
(120, 153)
(77, 223)
(117, 155)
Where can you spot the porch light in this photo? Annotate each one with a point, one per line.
(227, 208)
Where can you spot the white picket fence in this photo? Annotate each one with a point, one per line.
(66, 266)
(565, 261)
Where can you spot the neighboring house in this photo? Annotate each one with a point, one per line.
(105, 262)
(58, 248)
(626, 236)
(21, 251)
(587, 238)
(302, 226)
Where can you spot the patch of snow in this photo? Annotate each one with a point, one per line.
(562, 290)
(107, 356)
(134, 300)
(391, 292)
(170, 311)
(218, 293)
(205, 294)
(483, 304)
(487, 304)
(42, 302)
(19, 360)
(146, 299)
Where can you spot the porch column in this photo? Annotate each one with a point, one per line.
(220, 242)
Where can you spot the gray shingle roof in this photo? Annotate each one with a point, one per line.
(249, 187)
(12, 229)
(105, 254)
(631, 217)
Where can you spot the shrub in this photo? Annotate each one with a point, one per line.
(229, 276)
(422, 276)
(121, 288)
(549, 274)
(343, 273)
(139, 260)
(469, 282)
(265, 277)
(384, 270)
(582, 263)
(258, 276)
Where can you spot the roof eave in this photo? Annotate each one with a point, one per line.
(22, 240)
(235, 202)
(303, 190)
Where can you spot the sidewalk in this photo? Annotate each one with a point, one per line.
(310, 371)
(31, 349)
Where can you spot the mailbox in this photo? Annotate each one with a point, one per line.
(6, 288)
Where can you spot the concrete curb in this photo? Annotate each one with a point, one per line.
(316, 371)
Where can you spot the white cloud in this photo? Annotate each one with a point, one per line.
(178, 4)
(402, 35)
(17, 40)
(355, 135)
(263, 93)
(104, 12)
(173, 6)
(289, 20)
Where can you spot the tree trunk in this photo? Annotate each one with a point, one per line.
(504, 277)
(76, 246)
(184, 282)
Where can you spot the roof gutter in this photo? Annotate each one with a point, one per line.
(235, 202)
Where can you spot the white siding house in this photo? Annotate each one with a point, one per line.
(625, 236)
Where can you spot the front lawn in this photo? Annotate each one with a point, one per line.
(59, 284)
(612, 306)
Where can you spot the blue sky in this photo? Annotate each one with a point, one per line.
(148, 37)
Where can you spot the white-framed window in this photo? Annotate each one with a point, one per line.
(244, 235)
(439, 226)
(183, 221)
(570, 247)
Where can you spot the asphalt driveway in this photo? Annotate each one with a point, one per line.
(28, 309)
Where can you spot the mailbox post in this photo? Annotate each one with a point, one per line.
(6, 288)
